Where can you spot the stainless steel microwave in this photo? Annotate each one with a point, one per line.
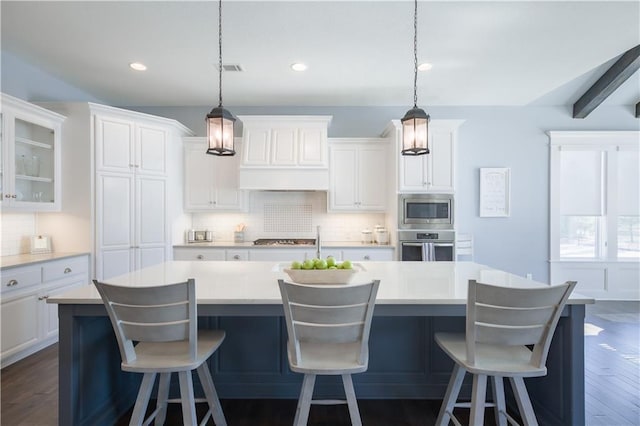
(425, 211)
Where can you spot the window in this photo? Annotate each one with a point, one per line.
(595, 196)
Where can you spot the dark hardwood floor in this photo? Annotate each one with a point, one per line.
(29, 388)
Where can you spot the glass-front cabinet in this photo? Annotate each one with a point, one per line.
(30, 164)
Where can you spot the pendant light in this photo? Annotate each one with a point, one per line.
(415, 123)
(219, 120)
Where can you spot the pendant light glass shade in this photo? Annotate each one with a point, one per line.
(219, 120)
(415, 132)
(220, 132)
(415, 123)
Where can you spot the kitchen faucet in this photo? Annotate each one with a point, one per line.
(318, 251)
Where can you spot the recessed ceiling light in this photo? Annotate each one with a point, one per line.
(298, 66)
(425, 66)
(138, 66)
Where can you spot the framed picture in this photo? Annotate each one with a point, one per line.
(495, 191)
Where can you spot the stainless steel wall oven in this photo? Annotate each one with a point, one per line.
(427, 246)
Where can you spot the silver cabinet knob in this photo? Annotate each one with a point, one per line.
(367, 257)
(7, 195)
(12, 283)
(199, 257)
(236, 257)
(67, 270)
(14, 196)
(43, 297)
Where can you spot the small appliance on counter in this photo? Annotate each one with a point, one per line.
(194, 236)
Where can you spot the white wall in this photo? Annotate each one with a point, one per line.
(16, 230)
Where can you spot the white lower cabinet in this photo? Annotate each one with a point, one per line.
(198, 253)
(281, 255)
(28, 322)
(360, 254)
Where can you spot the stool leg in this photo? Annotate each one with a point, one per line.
(451, 396)
(186, 395)
(351, 400)
(478, 396)
(524, 403)
(211, 394)
(497, 385)
(163, 395)
(140, 408)
(304, 403)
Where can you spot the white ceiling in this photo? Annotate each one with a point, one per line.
(358, 52)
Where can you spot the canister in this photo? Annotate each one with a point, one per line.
(367, 236)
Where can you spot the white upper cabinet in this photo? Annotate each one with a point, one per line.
(434, 172)
(285, 141)
(358, 174)
(31, 157)
(123, 145)
(211, 182)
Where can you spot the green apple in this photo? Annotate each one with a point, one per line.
(321, 264)
(346, 264)
(296, 265)
(331, 261)
(307, 264)
(332, 267)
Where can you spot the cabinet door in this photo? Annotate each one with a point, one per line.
(30, 157)
(226, 183)
(150, 255)
(19, 318)
(114, 224)
(256, 147)
(151, 150)
(372, 178)
(114, 140)
(151, 211)
(313, 147)
(113, 262)
(441, 165)
(283, 255)
(199, 176)
(343, 191)
(413, 173)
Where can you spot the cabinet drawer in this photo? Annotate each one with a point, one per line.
(237, 255)
(20, 278)
(64, 268)
(198, 254)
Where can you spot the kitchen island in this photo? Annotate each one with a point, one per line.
(415, 300)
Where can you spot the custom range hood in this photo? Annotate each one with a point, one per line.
(284, 153)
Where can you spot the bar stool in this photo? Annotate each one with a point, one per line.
(500, 322)
(163, 320)
(328, 328)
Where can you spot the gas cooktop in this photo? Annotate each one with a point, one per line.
(284, 242)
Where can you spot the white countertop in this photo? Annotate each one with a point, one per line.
(401, 283)
(28, 259)
(249, 244)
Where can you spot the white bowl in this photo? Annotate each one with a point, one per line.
(321, 276)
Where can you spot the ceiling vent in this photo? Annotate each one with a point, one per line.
(232, 67)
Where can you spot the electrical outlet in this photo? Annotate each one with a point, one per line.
(529, 276)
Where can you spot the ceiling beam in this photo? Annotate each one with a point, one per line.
(619, 72)
(638, 110)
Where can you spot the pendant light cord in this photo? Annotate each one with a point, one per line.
(220, 51)
(415, 54)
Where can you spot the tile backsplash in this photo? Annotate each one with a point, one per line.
(17, 228)
(287, 214)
